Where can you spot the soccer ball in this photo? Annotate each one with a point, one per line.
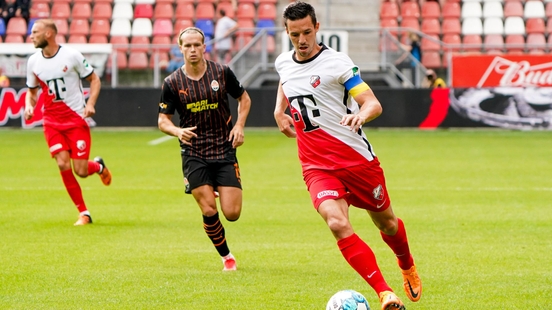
(347, 300)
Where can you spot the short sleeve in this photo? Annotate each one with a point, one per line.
(168, 101)
(32, 80)
(233, 86)
(82, 66)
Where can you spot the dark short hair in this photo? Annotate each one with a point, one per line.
(222, 12)
(188, 30)
(299, 10)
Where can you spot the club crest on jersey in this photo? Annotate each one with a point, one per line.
(65, 69)
(81, 145)
(378, 192)
(215, 85)
(315, 80)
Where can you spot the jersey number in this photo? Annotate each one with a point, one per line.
(306, 104)
(56, 87)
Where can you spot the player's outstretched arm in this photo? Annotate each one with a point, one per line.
(166, 125)
(283, 120)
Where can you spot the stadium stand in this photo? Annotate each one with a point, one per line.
(163, 10)
(79, 27)
(100, 27)
(81, 10)
(61, 10)
(102, 10)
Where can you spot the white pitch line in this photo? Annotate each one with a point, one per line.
(160, 140)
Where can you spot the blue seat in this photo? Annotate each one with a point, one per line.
(30, 27)
(207, 26)
(266, 23)
(2, 27)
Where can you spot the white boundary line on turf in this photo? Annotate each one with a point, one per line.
(160, 140)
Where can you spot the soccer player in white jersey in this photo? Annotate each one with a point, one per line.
(57, 71)
(339, 165)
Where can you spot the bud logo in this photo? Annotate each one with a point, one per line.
(12, 106)
(495, 71)
(326, 193)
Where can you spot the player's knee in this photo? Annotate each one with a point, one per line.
(338, 224)
(388, 227)
(232, 216)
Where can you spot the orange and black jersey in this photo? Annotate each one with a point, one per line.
(203, 103)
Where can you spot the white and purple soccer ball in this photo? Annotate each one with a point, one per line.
(347, 300)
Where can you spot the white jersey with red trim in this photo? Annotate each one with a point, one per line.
(318, 100)
(59, 77)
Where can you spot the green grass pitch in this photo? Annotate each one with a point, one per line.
(477, 207)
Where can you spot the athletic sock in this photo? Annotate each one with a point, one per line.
(74, 189)
(399, 245)
(214, 229)
(93, 167)
(359, 255)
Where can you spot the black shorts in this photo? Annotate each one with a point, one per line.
(216, 173)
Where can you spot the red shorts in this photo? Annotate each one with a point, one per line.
(362, 186)
(75, 140)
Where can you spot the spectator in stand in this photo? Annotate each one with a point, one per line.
(223, 40)
(9, 7)
(4, 80)
(415, 51)
(433, 81)
(23, 9)
(176, 60)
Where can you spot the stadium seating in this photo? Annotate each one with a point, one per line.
(162, 27)
(2, 27)
(184, 10)
(181, 24)
(81, 10)
(143, 10)
(205, 10)
(207, 26)
(535, 25)
(98, 38)
(431, 59)
(40, 10)
(16, 26)
(138, 61)
(139, 44)
(141, 27)
(451, 10)
(534, 9)
(102, 10)
(427, 44)
(493, 9)
(514, 25)
(493, 43)
(122, 10)
(245, 11)
(536, 43)
(431, 9)
(79, 27)
(513, 8)
(100, 27)
(472, 43)
(267, 23)
(471, 10)
(62, 26)
(14, 38)
(121, 27)
(518, 40)
(163, 10)
(266, 11)
(472, 25)
(431, 26)
(451, 26)
(493, 25)
(227, 7)
(162, 40)
(77, 38)
(410, 9)
(162, 59)
(389, 10)
(60, 10)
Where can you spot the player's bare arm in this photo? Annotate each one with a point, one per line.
(30, 102)
(237, 135)
(370, 108)
(95, 86)
(283, 120)
(166, 125)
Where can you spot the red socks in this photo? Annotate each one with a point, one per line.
(93, 167)
(359, 255)
(399, 244)
(73, 188)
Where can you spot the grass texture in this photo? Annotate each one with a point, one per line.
(477, 205)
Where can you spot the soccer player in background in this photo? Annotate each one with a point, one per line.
(58, 71)
(339, 165)
(198, 91)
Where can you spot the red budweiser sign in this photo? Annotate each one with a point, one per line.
(501, 71)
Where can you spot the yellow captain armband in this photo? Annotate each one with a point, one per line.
(359, 89)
